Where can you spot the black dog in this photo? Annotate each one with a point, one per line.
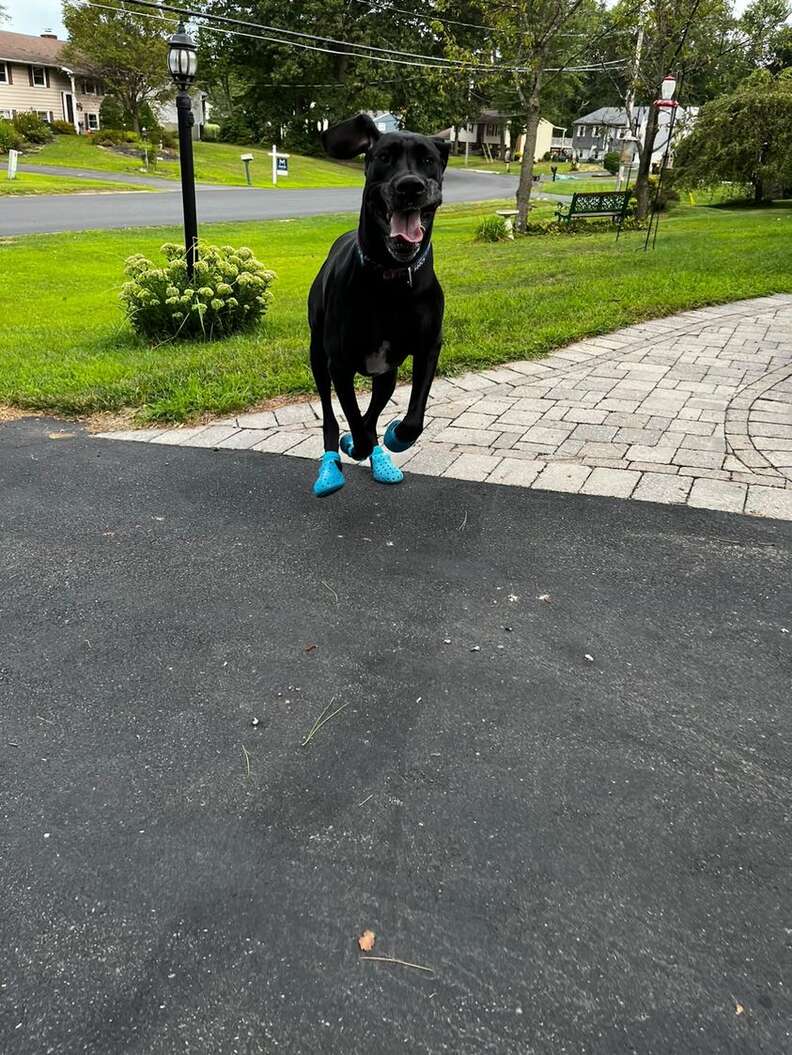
(376, 299)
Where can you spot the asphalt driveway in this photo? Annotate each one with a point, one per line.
(560, 780)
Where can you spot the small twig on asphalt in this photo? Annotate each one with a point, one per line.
(402, 963)
(330, 588)
(464, 522)
(47, 720)
(323, 718)
(13, 743)
(247, 760)
(365, 800)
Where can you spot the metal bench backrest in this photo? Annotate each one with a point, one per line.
(599, 201)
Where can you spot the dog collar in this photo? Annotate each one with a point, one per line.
(389, 273)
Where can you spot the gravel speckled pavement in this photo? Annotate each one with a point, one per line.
(694, 409)
(560, 779)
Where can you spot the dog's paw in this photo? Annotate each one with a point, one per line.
(346, 443)
(330, 477)
(392, 441)
(382, 468)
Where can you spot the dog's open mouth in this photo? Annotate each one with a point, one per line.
(406, 234)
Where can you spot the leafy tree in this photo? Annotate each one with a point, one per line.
(128, 54)
(531, 41)
(745, 137)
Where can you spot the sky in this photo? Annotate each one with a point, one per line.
(34, 16)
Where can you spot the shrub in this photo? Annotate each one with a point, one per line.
(228, 292)
(32, 128)
(492, 229)
(611, 162)
(210, 132)
(108, 137)
(667, 196)
(10, 139)
(168, 138)
(63, 128)
(555, 227)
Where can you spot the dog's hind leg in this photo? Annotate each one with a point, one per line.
(331, 477)
(400, 435)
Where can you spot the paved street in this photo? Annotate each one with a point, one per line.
(49, 213)
(560, 780)
(695, 409)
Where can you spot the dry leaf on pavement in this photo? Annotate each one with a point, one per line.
(366, 941)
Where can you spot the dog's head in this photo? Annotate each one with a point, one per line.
(404, 181)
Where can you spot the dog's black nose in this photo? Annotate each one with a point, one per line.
(409, 187)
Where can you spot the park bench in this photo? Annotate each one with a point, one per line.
(586, 204)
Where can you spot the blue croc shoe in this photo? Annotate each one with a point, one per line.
(382, 468)
(346, 443)
(330, 477)
(392, 441)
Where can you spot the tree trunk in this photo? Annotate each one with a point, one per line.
(456, 140)
(758, 190)
(527, 163)
(645, 165)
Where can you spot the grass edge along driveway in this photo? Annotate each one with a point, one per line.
(75, 354)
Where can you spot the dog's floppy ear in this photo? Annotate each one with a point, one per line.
(355, 136)
(444, 146)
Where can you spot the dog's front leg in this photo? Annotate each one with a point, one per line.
(403, 434)
(344, 383)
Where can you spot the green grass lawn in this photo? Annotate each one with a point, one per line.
(214, 163)
(34, 183)
(582, 186)
(74, 354)
(541, 167)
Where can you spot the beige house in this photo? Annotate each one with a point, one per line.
(34, 77)
(491, 133)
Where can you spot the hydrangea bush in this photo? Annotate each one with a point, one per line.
(229, 292)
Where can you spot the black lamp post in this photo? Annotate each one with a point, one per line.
(183, 64)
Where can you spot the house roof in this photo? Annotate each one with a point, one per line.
(616, 115)
(39, 51)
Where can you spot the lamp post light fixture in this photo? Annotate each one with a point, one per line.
(667, 92)
(183, 65)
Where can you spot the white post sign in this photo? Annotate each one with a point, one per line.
(13, 158)
(280, 164)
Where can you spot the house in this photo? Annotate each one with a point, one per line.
(384, 120)
(491, 134)
(168, 116)
(605, 130)
(33, 76)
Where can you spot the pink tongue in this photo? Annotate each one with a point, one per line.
(406, 225)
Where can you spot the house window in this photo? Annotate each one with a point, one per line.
(45, 115)
(490, 130)
(38, 76)
(7, 115)
(4, 78)
(90, 88)
(595, 130)
(580, 131)
(93, 121)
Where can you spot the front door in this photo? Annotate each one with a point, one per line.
(68, 107)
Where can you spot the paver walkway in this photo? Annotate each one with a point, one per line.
(693, 409)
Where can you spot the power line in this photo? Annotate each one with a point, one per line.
(434, 60)
(383, 54)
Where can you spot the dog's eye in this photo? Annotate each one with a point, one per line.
(427, 162)
(384, 157)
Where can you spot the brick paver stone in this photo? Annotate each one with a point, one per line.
(695, 408)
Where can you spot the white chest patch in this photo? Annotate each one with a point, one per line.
(377, 362)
